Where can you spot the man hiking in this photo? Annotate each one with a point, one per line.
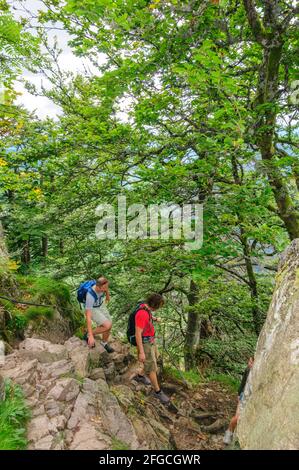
(144, 339)
(228, 436)
(94, 295)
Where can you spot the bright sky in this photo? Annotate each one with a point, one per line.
(68, 62)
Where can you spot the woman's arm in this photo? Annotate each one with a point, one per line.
(107, 296)
(138, 335)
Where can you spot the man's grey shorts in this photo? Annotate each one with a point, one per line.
(100, 315)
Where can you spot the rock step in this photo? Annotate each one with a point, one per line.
(66, 387)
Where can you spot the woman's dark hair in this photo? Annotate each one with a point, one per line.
(155, 301)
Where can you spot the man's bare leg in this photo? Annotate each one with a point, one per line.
(228, 436)
(104, 329)
(105, 336)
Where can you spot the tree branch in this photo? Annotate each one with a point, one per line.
(254, 20)
(238, 276)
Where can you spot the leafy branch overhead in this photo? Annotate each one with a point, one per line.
(177, 102)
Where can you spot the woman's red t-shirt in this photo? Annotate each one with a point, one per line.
(143, 320)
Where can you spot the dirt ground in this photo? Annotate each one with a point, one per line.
(197, 416)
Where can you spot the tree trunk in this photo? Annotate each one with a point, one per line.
(256, 316)
(25, 257)
(7, 283)
(247, 256)
(45, 246)
(3, 250)
(61, 247)
(206, 329)
(272, 40)
(193, 328)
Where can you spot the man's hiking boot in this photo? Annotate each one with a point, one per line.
(142, 379)
(162, 397)
(108, 348)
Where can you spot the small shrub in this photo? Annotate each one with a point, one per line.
(190, 376)
(18, 322)
(34, 313)
(231, 382)
(14, 415)
(80, 331)
(8, 306)
(49, 290)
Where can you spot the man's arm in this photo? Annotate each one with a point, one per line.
(138, 335)
(91, 341)
(88, 312)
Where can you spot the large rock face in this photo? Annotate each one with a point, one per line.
(270, 416)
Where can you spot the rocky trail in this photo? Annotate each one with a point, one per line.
(86, 399)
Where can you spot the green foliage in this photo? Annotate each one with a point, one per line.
(196, 130)
(14, 415)
(229, 355)
(82, 329)
(8, 306)
(230, 382)
(34, 313)
(45, 288)
(17, 323)
(38, 290)
(74, 375)
(48, 291)
(191, 376)
(17, 320)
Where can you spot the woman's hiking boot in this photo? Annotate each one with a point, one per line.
(162, 397)
(142, 379)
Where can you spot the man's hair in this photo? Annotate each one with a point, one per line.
(101, 281)
(155, 301)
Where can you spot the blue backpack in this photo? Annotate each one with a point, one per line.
(84, 288)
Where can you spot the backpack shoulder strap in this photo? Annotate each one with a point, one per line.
(139, 307)
(93, 293)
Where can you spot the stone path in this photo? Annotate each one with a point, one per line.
(85, 399)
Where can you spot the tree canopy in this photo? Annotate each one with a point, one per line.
(187, 101)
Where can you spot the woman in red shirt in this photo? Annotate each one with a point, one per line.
(145, 339)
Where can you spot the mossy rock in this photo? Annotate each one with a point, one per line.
(7, 281)
(35, 312)
(13, 321)
(9, 307)
(15, 327)
(42, 290)
(46, 290)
